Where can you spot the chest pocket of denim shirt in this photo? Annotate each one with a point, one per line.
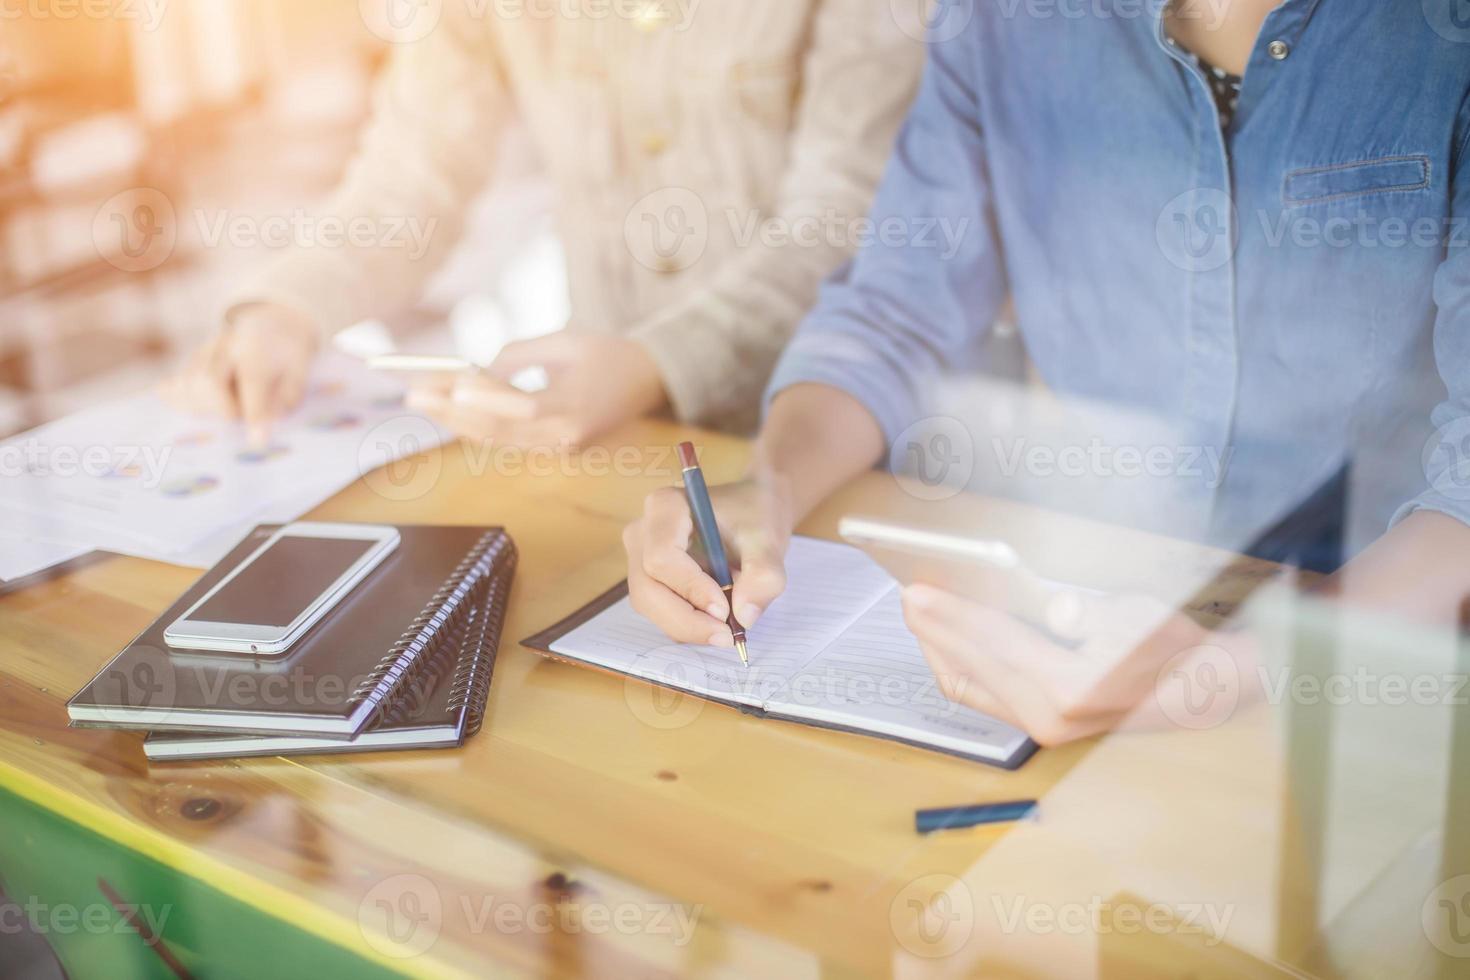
(1347, 181)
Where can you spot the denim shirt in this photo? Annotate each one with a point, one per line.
(1294, 290)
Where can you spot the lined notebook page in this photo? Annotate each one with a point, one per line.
(874, 677)
(833, 649)
(829, 587)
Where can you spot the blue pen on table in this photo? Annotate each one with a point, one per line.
(957, 817)
(709, 534)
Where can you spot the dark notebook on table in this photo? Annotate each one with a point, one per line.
(439, 705)
(350, 672)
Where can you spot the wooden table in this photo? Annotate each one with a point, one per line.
(595, 827)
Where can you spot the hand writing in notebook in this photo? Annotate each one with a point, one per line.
(667, 585)
(832, 650)
(1134, 658)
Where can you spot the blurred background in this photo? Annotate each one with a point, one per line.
(226, 107)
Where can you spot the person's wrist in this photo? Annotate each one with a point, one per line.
(650, 393)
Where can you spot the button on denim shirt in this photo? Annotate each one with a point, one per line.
(1294, 290)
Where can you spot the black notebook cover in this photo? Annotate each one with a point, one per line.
(439, 705)
(334, 680)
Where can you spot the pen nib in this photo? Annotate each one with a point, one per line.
(744, 654)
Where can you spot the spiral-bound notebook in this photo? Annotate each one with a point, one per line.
(348, 673)
(439, 705)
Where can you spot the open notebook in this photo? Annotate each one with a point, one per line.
(833, 651)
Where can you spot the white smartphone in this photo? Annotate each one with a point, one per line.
(286, 585)
(984, 569)
(421, 363)
(530, 380)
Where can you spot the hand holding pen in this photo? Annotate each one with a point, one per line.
(668, 586)
(703, 513)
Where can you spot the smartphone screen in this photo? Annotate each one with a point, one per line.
(283, 581)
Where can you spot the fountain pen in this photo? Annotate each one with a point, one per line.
(709, 534)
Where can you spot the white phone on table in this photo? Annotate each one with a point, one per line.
(283, 588)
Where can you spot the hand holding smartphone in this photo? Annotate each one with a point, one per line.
(985, 570)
